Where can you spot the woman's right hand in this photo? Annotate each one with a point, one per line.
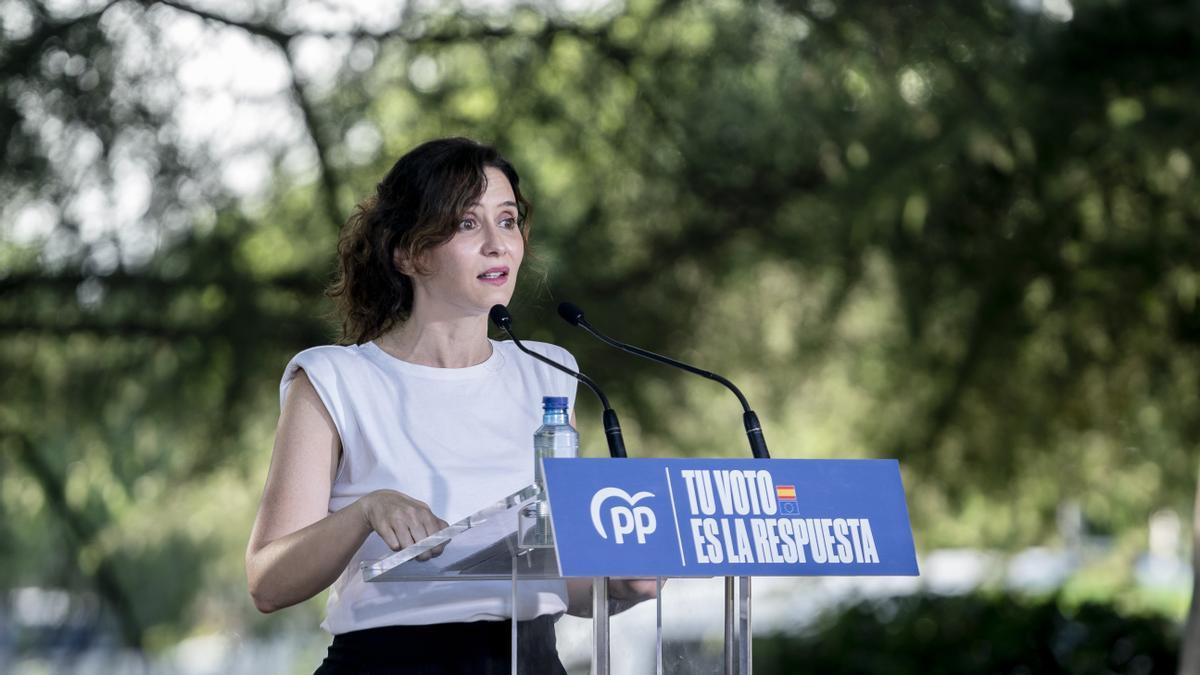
(400, 520)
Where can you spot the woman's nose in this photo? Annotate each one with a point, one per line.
(493, 241)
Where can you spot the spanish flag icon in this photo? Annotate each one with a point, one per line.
(785, 493)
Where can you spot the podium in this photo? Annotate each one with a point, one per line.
(722, 520)
(508, 540)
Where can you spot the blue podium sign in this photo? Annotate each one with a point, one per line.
(728, 517)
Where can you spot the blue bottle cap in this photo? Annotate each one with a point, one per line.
(554, 403)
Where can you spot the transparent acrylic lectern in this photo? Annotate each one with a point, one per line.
(512, 541)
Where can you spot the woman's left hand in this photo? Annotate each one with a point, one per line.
(633, 590)
(622, 594)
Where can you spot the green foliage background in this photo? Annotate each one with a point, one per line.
(960, 234)
(992, 633)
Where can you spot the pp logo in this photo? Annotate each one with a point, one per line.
(626, 519)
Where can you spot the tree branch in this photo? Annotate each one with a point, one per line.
(23, 52)
(263, 30)
(80, 531)
(67, 281)
(282, 38)
(284, 329)
(329, 182)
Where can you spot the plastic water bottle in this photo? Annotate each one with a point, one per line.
(555, 438)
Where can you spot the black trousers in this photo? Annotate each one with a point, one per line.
(475, 648)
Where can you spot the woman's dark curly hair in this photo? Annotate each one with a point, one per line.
(417, 207)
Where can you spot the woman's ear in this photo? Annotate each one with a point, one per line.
(401, 261)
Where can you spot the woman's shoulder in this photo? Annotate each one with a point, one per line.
(328, 362)
(331, 351)
(325, 366)
(328, 356)
(549, 350)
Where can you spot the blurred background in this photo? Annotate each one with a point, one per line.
(963, 235)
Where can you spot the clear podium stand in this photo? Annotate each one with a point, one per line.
(512, 541)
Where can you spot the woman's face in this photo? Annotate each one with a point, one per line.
(477, 267)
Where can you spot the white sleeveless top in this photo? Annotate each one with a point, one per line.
(458, 439)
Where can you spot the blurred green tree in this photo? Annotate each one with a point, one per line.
(971, 634)
(964, 236)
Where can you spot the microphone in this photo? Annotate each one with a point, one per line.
(758, 445)
(612, 426)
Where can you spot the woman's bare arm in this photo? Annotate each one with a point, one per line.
(297, 548)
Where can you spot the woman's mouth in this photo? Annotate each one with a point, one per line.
(497, 276)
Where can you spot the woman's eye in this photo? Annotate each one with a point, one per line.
(509, 223)
(466, 224)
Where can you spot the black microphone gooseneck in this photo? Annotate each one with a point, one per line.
(612, 426)
(758, 445)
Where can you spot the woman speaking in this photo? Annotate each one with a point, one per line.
(417, 419)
